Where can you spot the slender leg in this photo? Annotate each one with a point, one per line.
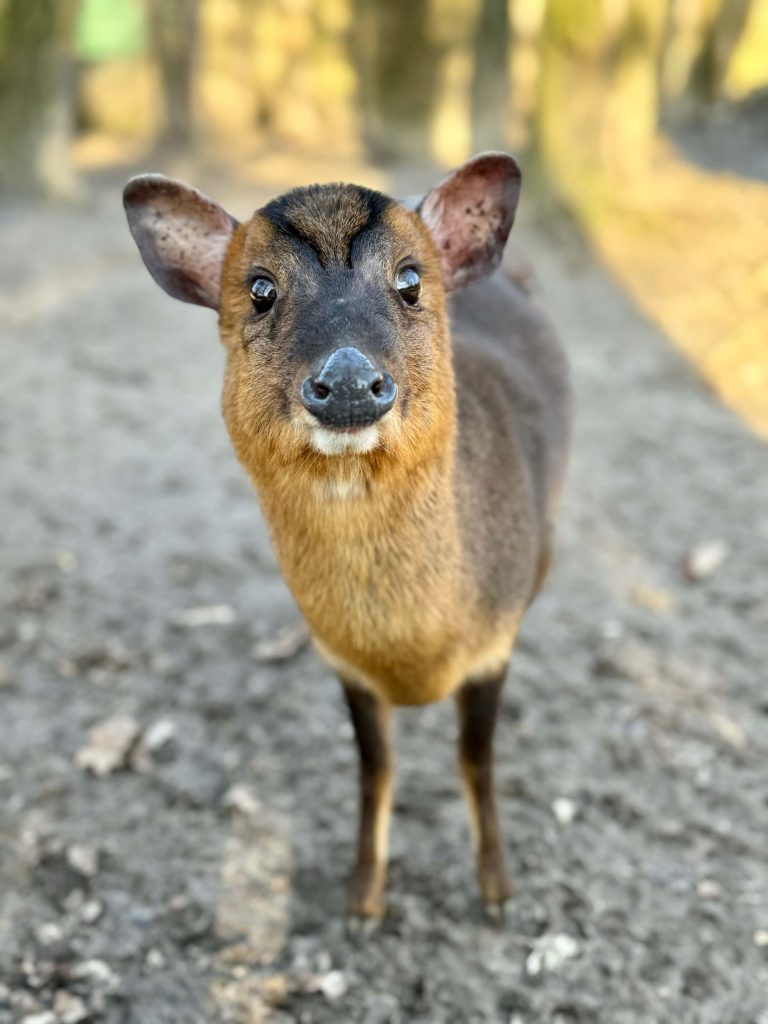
(478, 705)
(370, 718)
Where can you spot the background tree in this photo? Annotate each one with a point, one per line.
(719, 41)
(598, 92)
(36, 96)
(173, 28)
(490, 83)
(396, 62)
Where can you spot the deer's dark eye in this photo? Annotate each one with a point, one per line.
(263, 294)
(408, 284)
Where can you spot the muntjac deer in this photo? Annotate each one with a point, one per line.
(404, 415)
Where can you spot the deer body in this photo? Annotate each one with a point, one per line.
(408, 449)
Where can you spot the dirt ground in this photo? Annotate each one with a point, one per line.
(201, 877)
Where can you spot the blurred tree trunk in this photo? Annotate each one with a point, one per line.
(173, 27)
(598, 96)
(720, 40)
(490, 83)
(36, 96)
(396, 64)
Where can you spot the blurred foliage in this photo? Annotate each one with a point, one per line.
(425, 79)
(106, 29)
(36, 95)
(589, 91)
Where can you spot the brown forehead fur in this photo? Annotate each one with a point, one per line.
(327, 217)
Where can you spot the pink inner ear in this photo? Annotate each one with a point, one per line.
(182, 236)
(470, 215)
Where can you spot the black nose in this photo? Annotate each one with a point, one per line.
(349, 391)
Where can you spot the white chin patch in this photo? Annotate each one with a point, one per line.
(338, 442)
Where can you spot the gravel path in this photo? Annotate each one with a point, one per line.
(200, 877)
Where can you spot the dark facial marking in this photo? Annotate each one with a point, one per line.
(326, 219)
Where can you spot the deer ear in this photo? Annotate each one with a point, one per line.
(182, 236)
(470, 215)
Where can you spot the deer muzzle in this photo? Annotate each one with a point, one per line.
(348, 391)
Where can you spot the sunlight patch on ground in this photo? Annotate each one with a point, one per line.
(691, 247)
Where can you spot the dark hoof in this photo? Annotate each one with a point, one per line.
(365, 895)
(495, 886)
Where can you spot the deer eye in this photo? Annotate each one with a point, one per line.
(408, 284)
(263, 294)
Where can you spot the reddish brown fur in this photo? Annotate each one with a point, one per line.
(414, 562)
(383, 577)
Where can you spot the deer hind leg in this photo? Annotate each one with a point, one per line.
(478, 705)
(370, 719)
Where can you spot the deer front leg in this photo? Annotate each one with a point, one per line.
(370, 719)
(478, 705)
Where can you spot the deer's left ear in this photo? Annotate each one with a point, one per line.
(182, 236)
(470, 215)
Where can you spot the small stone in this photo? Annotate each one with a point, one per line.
(612, 629)
(187, 920)
(197, 781)
(46, 1017)
(84, 860)
(5, 995)
(550, 952)
(653, 599)
(73, 901)
(159, 735)
(5, 675)
(109, 745)
(761, 937)
(703, 560)
(205, 615)
(96, 973)
(333, 985)
(66, 668)
(28, 630)
(164, 664)
(242, 799)
(69, 1009)
(98, 1002)
(155, 959)
(66, 561)
(728, 730)
(116, 656)
(24, 1002)
(283, 645)
(156, 744)
(276, 989)
(91, 911)
(627, 659)
(49, 934)
(564, 810)
(709, 889)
